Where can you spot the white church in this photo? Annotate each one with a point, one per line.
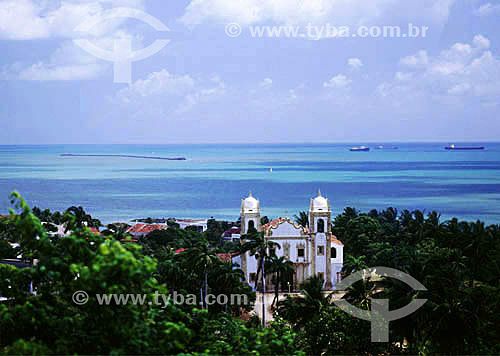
(314, 250)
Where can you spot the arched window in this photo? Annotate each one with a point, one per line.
(321, 225)
(333, 252)
(251, 226)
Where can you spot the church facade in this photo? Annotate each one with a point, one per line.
(313, 249)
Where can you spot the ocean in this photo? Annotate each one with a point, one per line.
(214, 178)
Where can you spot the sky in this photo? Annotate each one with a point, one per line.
(210, 84)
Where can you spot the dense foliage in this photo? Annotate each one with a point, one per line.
(458, 262)
(49, 322)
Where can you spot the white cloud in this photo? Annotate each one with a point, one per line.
(488, 9)
(41, 71)
(67, 62)
(338, 81)
(403, 77)
(418, 60)
(469, 70)
(19, 19)
(318, 11)
(457, 57)
(158, 83)
(168, 91)
(215, 89)
(267, 83)
(481, 42)
(29, 19)
(459, 89)
(23, 20)
(354, 63)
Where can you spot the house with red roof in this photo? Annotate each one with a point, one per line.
(139, 230)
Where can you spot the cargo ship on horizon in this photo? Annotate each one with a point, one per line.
(453, 147)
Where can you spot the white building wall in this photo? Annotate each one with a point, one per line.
(321, 260)
(200, 223)
(336, 263)
(336, 270)
(251, 266)
(237, 260)
(340, 254)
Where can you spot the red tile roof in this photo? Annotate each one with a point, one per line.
(136, 228)
(336, 241)
(227, 257)
(129, 240)
(145, 228)
(148, 228)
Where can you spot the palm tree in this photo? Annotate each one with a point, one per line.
(76, 217)
(477, 251)
(302, 219)
(300, 310)
(228, 276)
(203, 258)
(258, 246)
(282, 267)
(361, 292)
(170, 268)
(118, 231)
(354, 264)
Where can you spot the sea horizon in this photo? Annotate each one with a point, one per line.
(215, 177)
(257, 143)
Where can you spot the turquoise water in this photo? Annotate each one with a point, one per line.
(214, 179)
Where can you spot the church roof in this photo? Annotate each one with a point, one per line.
(276, 222)
(336, 241)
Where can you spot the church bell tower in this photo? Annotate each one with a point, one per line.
(320, 218)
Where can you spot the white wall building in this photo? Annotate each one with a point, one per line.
(200, 224)
(314, 250)
(233, 234)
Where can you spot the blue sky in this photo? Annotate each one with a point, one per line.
(207, 87)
